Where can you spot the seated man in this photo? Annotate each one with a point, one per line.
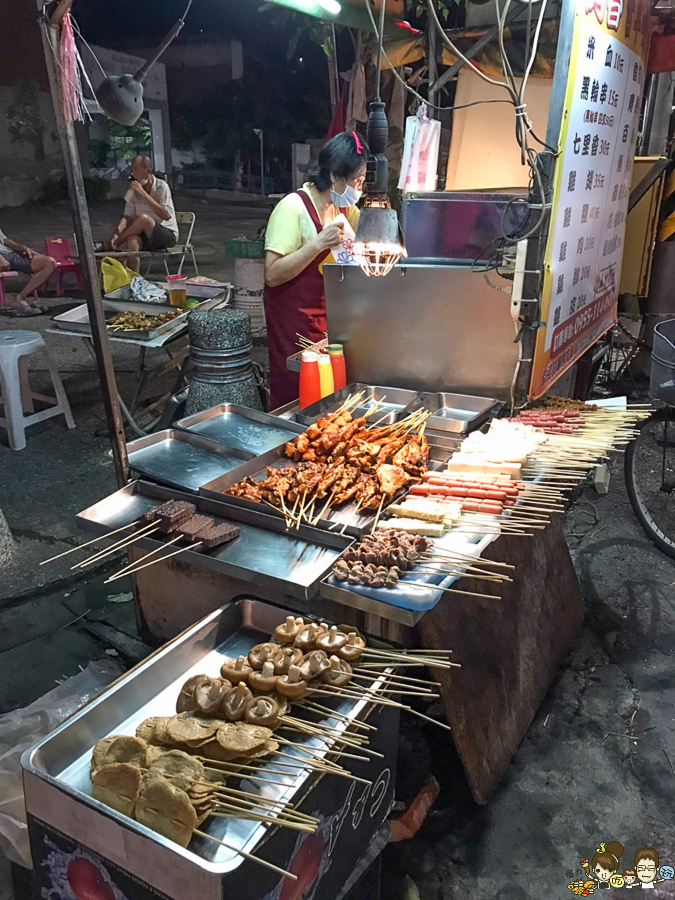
(20, 258)
(149, 220)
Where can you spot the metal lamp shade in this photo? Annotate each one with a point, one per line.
(121, 98)
(378, 245)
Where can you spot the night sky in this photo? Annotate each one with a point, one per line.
(113, 23)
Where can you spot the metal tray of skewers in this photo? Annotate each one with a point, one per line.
(347, 519)
(391, 403)
(121, 298)
(122, 778)
(238, 426)
(389, 559)
(183, 459)
(259, 551)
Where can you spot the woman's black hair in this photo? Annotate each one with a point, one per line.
(342, 156)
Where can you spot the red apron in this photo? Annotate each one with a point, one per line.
(297, 306)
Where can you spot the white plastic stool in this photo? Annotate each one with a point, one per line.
(15, 389)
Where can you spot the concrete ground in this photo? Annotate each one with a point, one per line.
(597, 764)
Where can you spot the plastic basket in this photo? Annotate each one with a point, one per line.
(662, 379)
(245, 248)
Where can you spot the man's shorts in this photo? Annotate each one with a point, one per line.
(160, 239)
(18, 262)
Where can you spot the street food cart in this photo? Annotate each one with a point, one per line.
(438, 347)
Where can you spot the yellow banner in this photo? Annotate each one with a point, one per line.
(582, 262)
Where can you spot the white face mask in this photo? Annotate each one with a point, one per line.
(144, 181)
(349, 197)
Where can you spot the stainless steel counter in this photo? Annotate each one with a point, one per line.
(430, 328)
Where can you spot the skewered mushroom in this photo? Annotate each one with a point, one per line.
(186, 699)
(236, 670)
(234, 704)
(292, 685)
(331, 640)
(314, 664)
(261, 653)
(209, 693)
(262, 711)
(289, 656)
(307, 636)
(265, 681)
(338, 674)
(353, 649)
(288, 631)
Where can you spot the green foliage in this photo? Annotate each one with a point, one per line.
(54, 191)
(25, 122)
(96, 189)
(124, 139)
(97, 153)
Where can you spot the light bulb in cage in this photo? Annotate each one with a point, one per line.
(378, 244)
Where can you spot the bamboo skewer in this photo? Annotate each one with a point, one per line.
(119, 545)
(154, 561)
(95, 540)
(249, 856)
(147, 555)
(312, 751)
(223, 812)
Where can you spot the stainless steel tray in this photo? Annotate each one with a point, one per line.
(120, 299)
(63, 758)
(264, 553)
(241, 427)
(390, 410)
(182, 459)
(403, 604)
(78, 320)
(458, 413)
(354, 524)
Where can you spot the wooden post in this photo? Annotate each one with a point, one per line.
(50, 31)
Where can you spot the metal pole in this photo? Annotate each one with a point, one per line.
(432, 59)
(78, 202)
(262, 163)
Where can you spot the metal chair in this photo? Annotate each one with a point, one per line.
(186, 219)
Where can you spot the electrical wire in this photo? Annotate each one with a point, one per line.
(415, 93)
(77, 31)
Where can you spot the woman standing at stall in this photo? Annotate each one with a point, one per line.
(298, 241)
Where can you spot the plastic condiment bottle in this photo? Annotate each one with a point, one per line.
(325, 375)
(337, 361)
(310, 383)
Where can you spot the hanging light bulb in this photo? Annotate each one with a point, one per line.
(330, 6)
(378, 243)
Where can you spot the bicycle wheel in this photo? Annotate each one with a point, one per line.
(650, 478)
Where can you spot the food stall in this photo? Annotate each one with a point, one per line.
(429, 539)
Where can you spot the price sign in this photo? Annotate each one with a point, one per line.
(592, 180)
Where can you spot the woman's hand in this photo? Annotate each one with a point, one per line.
(330, 237)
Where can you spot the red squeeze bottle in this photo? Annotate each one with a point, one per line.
(310, 385)
(337, 361)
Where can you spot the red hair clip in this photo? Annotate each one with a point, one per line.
(359, 145)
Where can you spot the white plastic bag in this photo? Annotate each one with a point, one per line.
(20, 729)
(420, 153)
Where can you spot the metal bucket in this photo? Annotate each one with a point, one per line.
(662, 379)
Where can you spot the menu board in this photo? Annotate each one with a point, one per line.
(582, 262)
